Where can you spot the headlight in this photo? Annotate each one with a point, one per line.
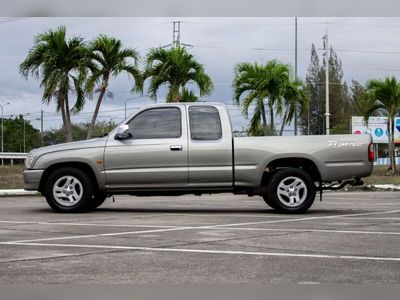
(29, 161)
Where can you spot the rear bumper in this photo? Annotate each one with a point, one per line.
(32, 179)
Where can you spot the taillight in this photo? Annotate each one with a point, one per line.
(371, 153)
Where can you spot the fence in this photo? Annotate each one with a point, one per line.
(11, 156)
(385, 161)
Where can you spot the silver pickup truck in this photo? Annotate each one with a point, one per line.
(188, 148)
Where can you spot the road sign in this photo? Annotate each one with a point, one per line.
(377, 127)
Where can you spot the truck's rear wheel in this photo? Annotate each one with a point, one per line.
(291, 190)
(69, 190)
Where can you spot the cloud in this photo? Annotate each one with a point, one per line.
(218, 43)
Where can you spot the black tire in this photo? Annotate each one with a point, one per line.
(291, 190)
(81, 184)
(269, 202)
(98, 199)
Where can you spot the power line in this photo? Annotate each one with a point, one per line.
(291, 24)
(4, 20)
(129, 27)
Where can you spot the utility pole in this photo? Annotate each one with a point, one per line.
(23, 119)
(2, 130)
(41, 126)
(176, 34)
(327, 58)
(295, 71)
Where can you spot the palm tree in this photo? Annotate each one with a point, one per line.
(365, 105)
(175, 68)
(259, 82)
(108, 58)
(60, 65)
(385, 96)
(295, 101)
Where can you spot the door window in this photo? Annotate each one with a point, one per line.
(205, 124)
(156, 123)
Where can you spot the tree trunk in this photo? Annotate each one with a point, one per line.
(283, 122)
(64, 117)
(390, 146)
(175, 94)
(96, 111)
(394, 167)
(68, 127)
(264, 118)
(271, 112)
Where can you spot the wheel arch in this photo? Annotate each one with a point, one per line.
(78, 165)
(303, 163)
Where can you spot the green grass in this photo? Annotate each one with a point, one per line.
(379, 176)
(11, 177)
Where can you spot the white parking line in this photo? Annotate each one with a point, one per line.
(362, 204)
(200, 227)
(311, 230)
(373, 218)
(308, 219)
(101, 234)
(89, 224)
(202, 251)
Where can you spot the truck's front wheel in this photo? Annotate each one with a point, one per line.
(98, 199)
(69, 190)
(291, 190)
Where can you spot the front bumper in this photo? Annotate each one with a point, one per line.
(32, 179)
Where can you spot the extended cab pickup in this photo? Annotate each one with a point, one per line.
(175, 149)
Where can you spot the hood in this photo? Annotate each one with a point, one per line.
(92, 143)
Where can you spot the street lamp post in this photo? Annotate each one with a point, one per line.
(327, 58)
(23, 119)
(308, 117)
(133, 98)
(2, 130)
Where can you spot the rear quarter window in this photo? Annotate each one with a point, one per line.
(205, 123)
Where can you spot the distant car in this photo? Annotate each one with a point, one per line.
(188, 148)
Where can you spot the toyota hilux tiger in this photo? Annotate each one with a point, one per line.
(189, 148)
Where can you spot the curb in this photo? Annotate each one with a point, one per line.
(373, 187)
(17, 192)
(384, 187)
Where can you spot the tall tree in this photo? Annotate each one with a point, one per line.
(386, 97)
(19, 131)
(362, 103)
(339, 96)
(60, 65)
(175, 68)
(109, 58)
(312, 121)
(254, 83)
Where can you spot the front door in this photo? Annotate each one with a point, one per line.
(155, 156)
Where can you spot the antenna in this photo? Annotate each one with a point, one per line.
(176, 36)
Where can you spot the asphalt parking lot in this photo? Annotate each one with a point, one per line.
(348, 238)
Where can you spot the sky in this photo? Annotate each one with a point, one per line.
(368, 47)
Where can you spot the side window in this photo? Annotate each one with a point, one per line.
(205, 124)
(156, 123)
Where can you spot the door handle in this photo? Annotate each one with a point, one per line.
(176, 147)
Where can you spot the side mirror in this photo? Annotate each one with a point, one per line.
(123, 133)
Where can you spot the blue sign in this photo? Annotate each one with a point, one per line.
(378, 132)
(398, 124)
